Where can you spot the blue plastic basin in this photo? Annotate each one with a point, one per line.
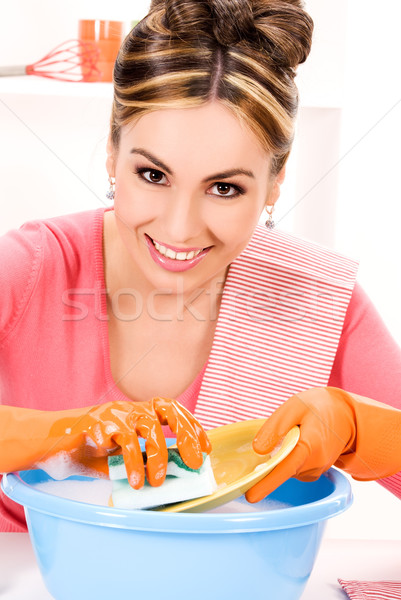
(86, 551)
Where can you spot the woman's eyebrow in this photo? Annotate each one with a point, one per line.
(214, 177)
(230, 173)
(153, 158)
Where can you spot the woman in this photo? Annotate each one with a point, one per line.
(176, 291)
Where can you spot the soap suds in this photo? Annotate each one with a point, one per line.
(60, 466)
(96, 491)
(241, 506)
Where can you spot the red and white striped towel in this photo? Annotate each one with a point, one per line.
(372, 590)
(280, 321)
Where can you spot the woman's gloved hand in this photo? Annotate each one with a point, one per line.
(354, 433)
(82, 439)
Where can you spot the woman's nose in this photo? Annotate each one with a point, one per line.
(182, 219)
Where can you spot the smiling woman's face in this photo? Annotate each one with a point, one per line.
(190, 187)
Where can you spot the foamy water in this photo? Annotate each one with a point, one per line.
(98, 492)
(60, 466)
(240, 506)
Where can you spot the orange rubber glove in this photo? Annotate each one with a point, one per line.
(359, 435)
(82, 439)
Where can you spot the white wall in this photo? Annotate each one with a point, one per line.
(342, 186)
(360, 36)
(52, 153)
(369, 202)
(354, 67)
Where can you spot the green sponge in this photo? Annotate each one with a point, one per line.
(181, 483)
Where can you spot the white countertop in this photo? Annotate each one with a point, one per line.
(348, 559)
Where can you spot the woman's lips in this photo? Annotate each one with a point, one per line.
(175, 259)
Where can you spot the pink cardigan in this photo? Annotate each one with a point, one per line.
(54, 349)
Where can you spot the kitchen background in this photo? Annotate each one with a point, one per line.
(342, 187)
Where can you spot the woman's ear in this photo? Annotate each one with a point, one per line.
(276, 188)
(110, 160)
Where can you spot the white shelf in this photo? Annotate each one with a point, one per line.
(41, 86)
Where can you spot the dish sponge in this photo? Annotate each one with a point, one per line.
(181, 483)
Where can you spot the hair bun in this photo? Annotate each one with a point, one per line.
(281, 27)
(285, 30)
(186, 18)
(233, 21)
(227, 21)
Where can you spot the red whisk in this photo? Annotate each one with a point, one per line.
(73, 60)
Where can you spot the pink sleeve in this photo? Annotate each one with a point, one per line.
(20, 261)
(368, 361)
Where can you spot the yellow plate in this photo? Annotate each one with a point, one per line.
(236, 466)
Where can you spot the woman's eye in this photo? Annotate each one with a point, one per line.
(152, 175)
(226, 189)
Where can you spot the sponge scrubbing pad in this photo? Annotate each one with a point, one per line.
(181, 483)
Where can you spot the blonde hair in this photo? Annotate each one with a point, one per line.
(243, 53)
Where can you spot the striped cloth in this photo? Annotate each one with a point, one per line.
(279, 325)
(372, 590)
(393, 484)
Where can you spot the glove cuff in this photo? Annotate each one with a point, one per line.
(377, 448)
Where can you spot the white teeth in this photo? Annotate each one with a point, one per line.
(176, 255)
(170, 253)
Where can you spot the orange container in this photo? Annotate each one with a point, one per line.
(107, 35)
